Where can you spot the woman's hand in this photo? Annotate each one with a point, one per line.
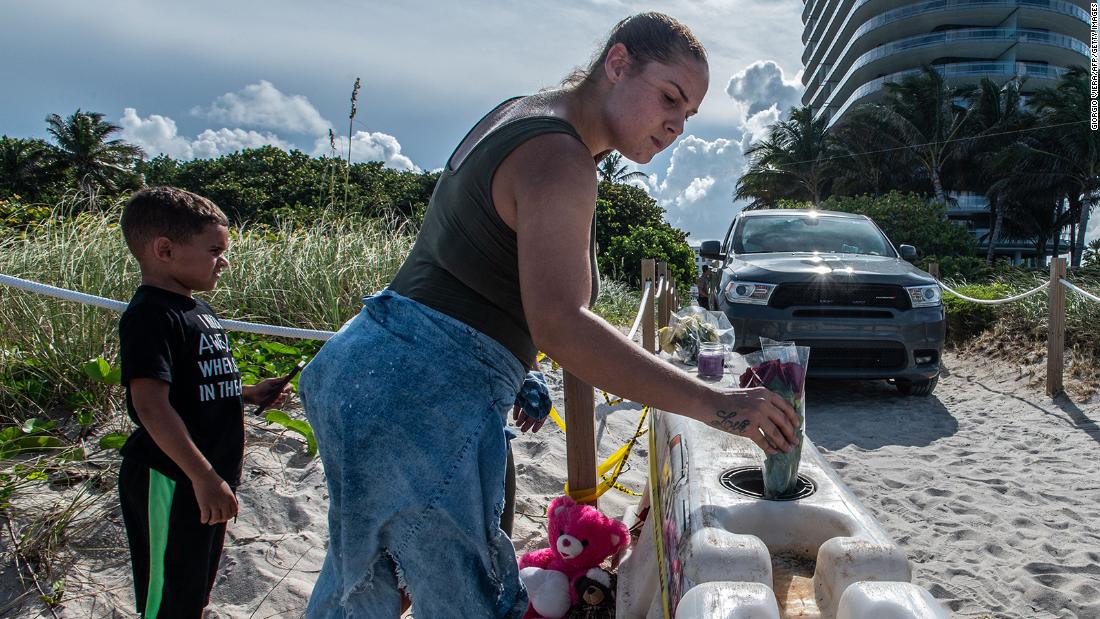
(757, 414)
(524, 422)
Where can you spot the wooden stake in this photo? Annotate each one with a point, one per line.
(580, 439)
(934, 270)
(649, 334)
(1056, 335)
(663, 300)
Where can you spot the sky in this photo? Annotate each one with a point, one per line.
(202, 78)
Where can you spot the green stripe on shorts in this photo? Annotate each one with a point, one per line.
(161, 490)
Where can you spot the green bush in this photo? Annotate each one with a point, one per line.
(966, 319)
(966, 268)
(18, 215)
(621, 207)
(661, 243)
(268, 184)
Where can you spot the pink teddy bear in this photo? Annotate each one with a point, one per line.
(580, 539)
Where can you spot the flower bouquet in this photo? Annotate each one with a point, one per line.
(781, 367)
(692, 326)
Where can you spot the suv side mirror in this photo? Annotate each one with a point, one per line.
(908, 252)
(711, 250)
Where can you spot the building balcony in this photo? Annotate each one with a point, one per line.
(923, 17)
(1035, 45)
(966, 202)
(961, 72)
(823, 25)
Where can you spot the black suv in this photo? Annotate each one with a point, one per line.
(833, 282)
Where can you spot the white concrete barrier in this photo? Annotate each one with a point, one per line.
(724, 554)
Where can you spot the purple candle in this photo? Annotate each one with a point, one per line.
(712, 360)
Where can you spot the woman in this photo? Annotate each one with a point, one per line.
(409, 399)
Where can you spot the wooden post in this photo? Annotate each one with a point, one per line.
(649, 334)
(674, 300)
(934, 270)
(1056, 335)
(580, 440)
(663, 300)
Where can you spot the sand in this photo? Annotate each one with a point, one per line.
(992, 490)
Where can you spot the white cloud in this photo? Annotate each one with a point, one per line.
(157, 135)
(757, 125)
(211, 143)
(697, 188)
(696, 191)
(367, 146)
(761, 86)
(263, 105)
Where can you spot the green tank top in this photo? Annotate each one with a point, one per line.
(464, 262)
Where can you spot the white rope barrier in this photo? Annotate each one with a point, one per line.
(1083, 293)
(633, 331)
(641, 310)
(119, 306)
(1035, 290)
(660, 288)
(61, 293)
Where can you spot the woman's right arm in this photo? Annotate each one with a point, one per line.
(551, 182)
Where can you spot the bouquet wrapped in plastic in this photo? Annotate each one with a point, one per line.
(781, 367)
(690, 327)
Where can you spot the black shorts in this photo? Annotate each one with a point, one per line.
(174, 555)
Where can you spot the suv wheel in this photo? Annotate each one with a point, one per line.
(916, 387)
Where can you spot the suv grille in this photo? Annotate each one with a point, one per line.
(839, 295)
(834, 355)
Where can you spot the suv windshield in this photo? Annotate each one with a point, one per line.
(759, 234)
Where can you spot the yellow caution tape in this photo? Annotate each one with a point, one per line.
(658, 518)
(615, 461)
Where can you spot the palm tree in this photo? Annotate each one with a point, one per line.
(862, 166)
(1067, 150)
(792, 162)
(84, 147)
(610, 170)
(928, 117)
(996, 117)
(24, 166)
(1092, 252)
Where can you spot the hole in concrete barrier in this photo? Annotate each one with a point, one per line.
(749, 481)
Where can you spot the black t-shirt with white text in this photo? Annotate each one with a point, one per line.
(178, 339)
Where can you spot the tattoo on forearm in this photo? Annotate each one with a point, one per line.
(727, 422)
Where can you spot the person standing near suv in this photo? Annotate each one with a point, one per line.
(704, 288)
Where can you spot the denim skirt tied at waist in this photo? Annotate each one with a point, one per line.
(409, 407)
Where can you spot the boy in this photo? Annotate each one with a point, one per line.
(184, 392)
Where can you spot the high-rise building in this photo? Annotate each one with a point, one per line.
(854, 46)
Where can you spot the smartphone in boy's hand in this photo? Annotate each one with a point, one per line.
(278, 388)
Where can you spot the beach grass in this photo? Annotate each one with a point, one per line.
(1017, 331)
(303, 276)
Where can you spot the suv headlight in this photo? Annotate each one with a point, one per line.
(924, 296)
(748, 292)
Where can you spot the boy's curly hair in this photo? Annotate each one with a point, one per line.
(169, 212)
